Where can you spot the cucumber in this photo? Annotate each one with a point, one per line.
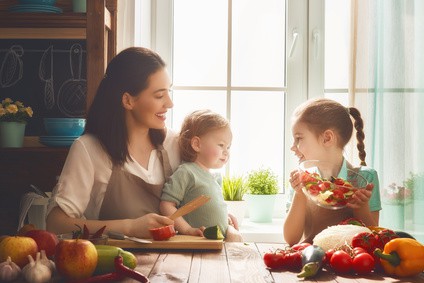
(106, 256)
(312, 258)
(213, 232)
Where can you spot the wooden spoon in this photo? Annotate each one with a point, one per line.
(190, 206)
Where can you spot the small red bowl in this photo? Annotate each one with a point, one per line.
(162, 233)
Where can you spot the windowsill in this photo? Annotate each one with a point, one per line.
(263, 232)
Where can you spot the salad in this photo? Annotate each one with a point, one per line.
(331, 193)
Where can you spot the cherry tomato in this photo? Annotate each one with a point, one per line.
(363, 263)
(328, 254)
(300, 247)
(366, 241)
(274, 260)
(162, 233)
(341, 262)
(358, 250)
(284, 259)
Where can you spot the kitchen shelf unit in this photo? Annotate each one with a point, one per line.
(35, 163)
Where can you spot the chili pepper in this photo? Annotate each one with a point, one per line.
(85, 232)
(113, 276)
(402, 257)
(99, 232)
(121, 269)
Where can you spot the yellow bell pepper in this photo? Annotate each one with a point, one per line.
(402, 257)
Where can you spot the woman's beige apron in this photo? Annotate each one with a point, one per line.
(128, 196)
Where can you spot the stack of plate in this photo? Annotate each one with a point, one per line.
(57, 141)
(34, 8)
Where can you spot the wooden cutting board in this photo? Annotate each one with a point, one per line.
(178, 242)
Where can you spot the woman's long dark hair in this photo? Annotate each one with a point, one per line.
(129, 71)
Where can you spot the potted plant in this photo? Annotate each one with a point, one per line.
(233, 190)
(13, 119)
(262, 186)
(416, 184)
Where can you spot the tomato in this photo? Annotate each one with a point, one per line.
(328, 254)
(341, 262)
(384, 236)
(358, 250)
(274, 260)
(366, 241)
(162, 233)
(288, 259)
(300, 247)
(363, 263)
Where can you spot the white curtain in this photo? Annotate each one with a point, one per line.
(387, 84)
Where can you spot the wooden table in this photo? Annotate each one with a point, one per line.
(236, 262)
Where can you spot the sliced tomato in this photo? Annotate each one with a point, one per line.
(162, 233)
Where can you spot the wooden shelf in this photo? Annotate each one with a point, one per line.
(35, 163)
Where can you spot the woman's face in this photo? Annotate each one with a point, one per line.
(306, 144)
(150, 106)
(214, 148)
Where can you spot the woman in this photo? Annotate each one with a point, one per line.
(115, 172)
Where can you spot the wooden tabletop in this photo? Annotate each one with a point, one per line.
(236, 262)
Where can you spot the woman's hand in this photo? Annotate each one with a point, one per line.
(140, 226)
(361, 197)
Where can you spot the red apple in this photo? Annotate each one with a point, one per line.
(75, 259)
(45, 241)
(18, 248)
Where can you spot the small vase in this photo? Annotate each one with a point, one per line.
(12, 134)
(261, 207)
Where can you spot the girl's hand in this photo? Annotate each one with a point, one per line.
(361, 197)
(140, 226)
(295, 181)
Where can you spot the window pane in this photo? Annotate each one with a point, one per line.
(200, 42)
(186, 101)
(342, 98)
(337, 43)
(258, 40)
(257, 121)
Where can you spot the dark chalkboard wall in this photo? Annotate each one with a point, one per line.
(48, 75)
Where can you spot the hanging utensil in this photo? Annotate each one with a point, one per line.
(45, 72)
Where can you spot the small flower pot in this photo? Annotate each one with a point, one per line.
(12, 134)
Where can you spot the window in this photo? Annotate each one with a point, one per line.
(252, 61)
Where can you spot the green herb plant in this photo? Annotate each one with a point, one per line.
(262, 182)
(233, 188)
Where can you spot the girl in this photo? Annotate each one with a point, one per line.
(204, 142)
(115, 172)
(321, 128)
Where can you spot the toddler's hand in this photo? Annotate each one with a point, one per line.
(194, 231)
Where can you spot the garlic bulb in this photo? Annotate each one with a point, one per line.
(35, 271)
(47, 262)
(9, 271)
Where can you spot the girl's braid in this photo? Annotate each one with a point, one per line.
(360, 136)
